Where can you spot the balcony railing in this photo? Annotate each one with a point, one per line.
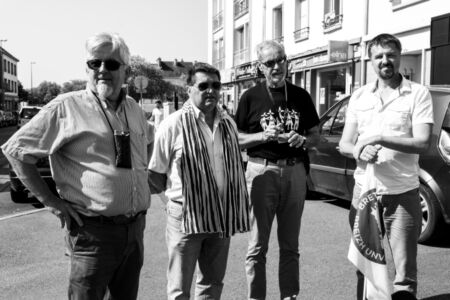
(332, 22)
(301, 34)
(240, 8)
(219, 63)
(218, 21)
(241, 56)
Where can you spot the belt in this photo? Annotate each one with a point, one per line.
(290, 161)
(115, 220)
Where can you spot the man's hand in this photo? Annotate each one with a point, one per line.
(367, 153)
(294, 139)
(270, 134)
(63, 211)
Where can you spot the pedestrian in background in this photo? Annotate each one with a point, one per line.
(197, 153)
(98, 143)
(388, 123)
(157, 114)
(277, 121)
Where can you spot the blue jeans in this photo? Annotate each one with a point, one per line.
(402, 215)
(208, 250)
(274, 191)
(105, 256)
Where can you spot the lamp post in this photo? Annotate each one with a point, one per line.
(31, 81)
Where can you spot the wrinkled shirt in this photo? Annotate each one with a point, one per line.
(166, 158)
(411, 104)
(73, 131)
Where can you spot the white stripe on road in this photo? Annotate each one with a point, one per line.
(24, 213)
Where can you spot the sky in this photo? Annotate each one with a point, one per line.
(52, 33)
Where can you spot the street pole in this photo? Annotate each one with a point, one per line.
(31, 82)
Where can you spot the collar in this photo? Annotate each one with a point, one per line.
(199, 114)
(105, 104)
(404, 87)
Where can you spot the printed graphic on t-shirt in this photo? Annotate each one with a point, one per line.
(286, 119)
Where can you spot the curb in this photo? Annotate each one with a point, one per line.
(29, 212)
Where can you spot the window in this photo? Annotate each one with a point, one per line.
(9, 67)
(4, 65)
(278, 24)
(241, 45)
(301, 20)
(334, 121)
(332, 18)
(399, 4)
(218, 54)
(217, 14)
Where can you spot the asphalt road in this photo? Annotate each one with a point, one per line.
(33, 265)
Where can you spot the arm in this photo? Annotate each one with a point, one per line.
(30, 177)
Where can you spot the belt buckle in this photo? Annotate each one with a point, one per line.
(290, 161)
(282, 162)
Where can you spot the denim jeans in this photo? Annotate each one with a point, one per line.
(402, 215)
(105, 256)
(274, 191)
(208, 251)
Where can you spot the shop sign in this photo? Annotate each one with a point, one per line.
(246, 71)
(303, 63)
(337, 51)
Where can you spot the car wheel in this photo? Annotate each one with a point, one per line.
(19, 196)
(431, 214)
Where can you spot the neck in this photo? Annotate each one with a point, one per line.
(276, 84)
(392, 83)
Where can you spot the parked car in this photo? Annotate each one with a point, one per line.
(26, 113)
(332, 173)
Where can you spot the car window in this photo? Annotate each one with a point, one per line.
(28, 113)
(328, 119)
(339, 121)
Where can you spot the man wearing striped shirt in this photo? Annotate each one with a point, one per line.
(98, 142)
(197, 152)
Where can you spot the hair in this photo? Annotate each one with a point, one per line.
(200, 67)
(100, 40)
(384, 39)
(158, 102)
(268, 44)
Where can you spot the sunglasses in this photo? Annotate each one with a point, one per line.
(110, 64)
(203, 86)
(273, 62)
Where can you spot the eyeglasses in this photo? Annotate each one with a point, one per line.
(110, 64)
(271, 63)
(216, 85)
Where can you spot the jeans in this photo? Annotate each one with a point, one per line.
(402, 215)
(105, 256)
(274, 191)
(208, 250)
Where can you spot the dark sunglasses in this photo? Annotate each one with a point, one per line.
(110, 64)
(203, 86)
(271, 63)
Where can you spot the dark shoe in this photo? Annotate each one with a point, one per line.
(403, 295)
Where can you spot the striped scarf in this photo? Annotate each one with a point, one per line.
(204, 209)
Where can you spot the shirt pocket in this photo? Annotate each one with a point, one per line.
(397, 119)
(364, 115)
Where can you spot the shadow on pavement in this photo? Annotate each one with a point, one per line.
(438, 297)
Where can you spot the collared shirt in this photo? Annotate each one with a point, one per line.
(73, 131)
(410, 104)
(166, 158)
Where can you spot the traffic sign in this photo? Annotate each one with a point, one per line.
(140, 82)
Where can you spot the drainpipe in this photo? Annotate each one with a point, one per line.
(363, 42)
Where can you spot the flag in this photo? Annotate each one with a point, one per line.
(366, 250)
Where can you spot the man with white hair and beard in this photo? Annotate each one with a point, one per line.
(99, 145)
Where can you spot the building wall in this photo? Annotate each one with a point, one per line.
(10, 96)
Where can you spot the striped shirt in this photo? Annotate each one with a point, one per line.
(73, 131)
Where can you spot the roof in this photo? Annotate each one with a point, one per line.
(6, 53)
(173, 68)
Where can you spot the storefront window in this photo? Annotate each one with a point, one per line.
(331, 89)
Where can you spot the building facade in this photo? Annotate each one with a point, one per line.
(9, 94)
(325, 41)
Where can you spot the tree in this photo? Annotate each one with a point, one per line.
(47, 91)
(23, 94)
(157, 87)
(73, 85)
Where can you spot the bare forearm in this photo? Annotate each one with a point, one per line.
(405, 144)
(248, 140)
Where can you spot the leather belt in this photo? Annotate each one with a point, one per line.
(115, 220)
(290, 161)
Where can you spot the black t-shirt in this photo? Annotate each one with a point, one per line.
(257, 109)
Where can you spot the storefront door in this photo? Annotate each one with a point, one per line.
(331, 88)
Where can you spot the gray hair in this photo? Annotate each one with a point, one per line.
(100, 40)
(268, 44)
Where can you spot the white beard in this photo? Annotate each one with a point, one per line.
(104, 90)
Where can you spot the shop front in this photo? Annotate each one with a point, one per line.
(245, 77)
